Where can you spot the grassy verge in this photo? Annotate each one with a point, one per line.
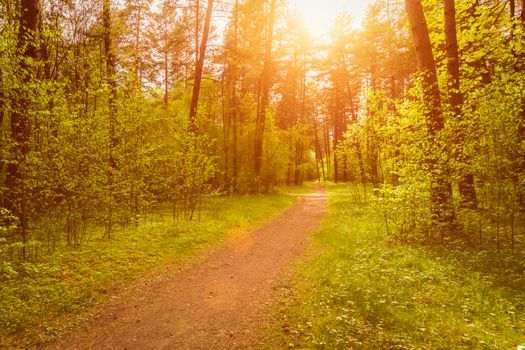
(72, 280)
(366, 292)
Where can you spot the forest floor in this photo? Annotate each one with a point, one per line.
(219, 303)
(369, 290)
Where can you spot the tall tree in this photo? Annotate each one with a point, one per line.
(520, 168)
(294, 107)
(111, 81)
(265, 85)
(199, 67)
(197, 26)
(235, 99)
(137, 12)
(231, 114)
(466, 183)
(167, 38)
(17, 192)
(440, 187)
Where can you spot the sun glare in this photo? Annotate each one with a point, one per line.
(319, 15)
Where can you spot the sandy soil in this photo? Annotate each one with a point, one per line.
(219, 303)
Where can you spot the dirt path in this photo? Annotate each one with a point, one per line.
(219, 303)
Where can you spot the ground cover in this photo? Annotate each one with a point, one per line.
(362, 289)
(70, 281)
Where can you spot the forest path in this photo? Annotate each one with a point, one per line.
(219, 303)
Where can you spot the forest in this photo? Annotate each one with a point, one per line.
(114, 113)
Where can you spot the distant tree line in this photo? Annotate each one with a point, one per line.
(110, 108)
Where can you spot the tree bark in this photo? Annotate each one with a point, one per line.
(356, 142)
(197, 24)
(16, 199)
(234, 102)
(3, 142)
(166, 80)
(440, 188)
(199, 66)
(138, 48)
(260, 123)
(337, 128)
(326, 136)
(111, 81)
(520, 166)
(226, 126)
(318, 151)
(372, 157)
(466, 187)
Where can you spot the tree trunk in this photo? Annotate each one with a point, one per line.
(289, 172)
(166, 81)
(3, 141)
(112, 103)
(520, 166)
(299, 148)
(326, 136)
(197, 24)
(235, 166)
(356, 143)
(318, 151)
(372, 158)
(440, 188)
(138, 53)
(199, 66)
(111, 80)
(234, 104)
(298, 161)
(260, 123)
(466, 187)
(337, 128)
(16, 199)
(455, 95)
(226, 121)
(361, 165)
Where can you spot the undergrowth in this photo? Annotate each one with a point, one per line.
(366, 291)
(34, 295)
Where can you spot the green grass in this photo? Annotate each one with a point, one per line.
(34, 300)
(364, 291)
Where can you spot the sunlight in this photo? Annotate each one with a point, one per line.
(318, 16)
